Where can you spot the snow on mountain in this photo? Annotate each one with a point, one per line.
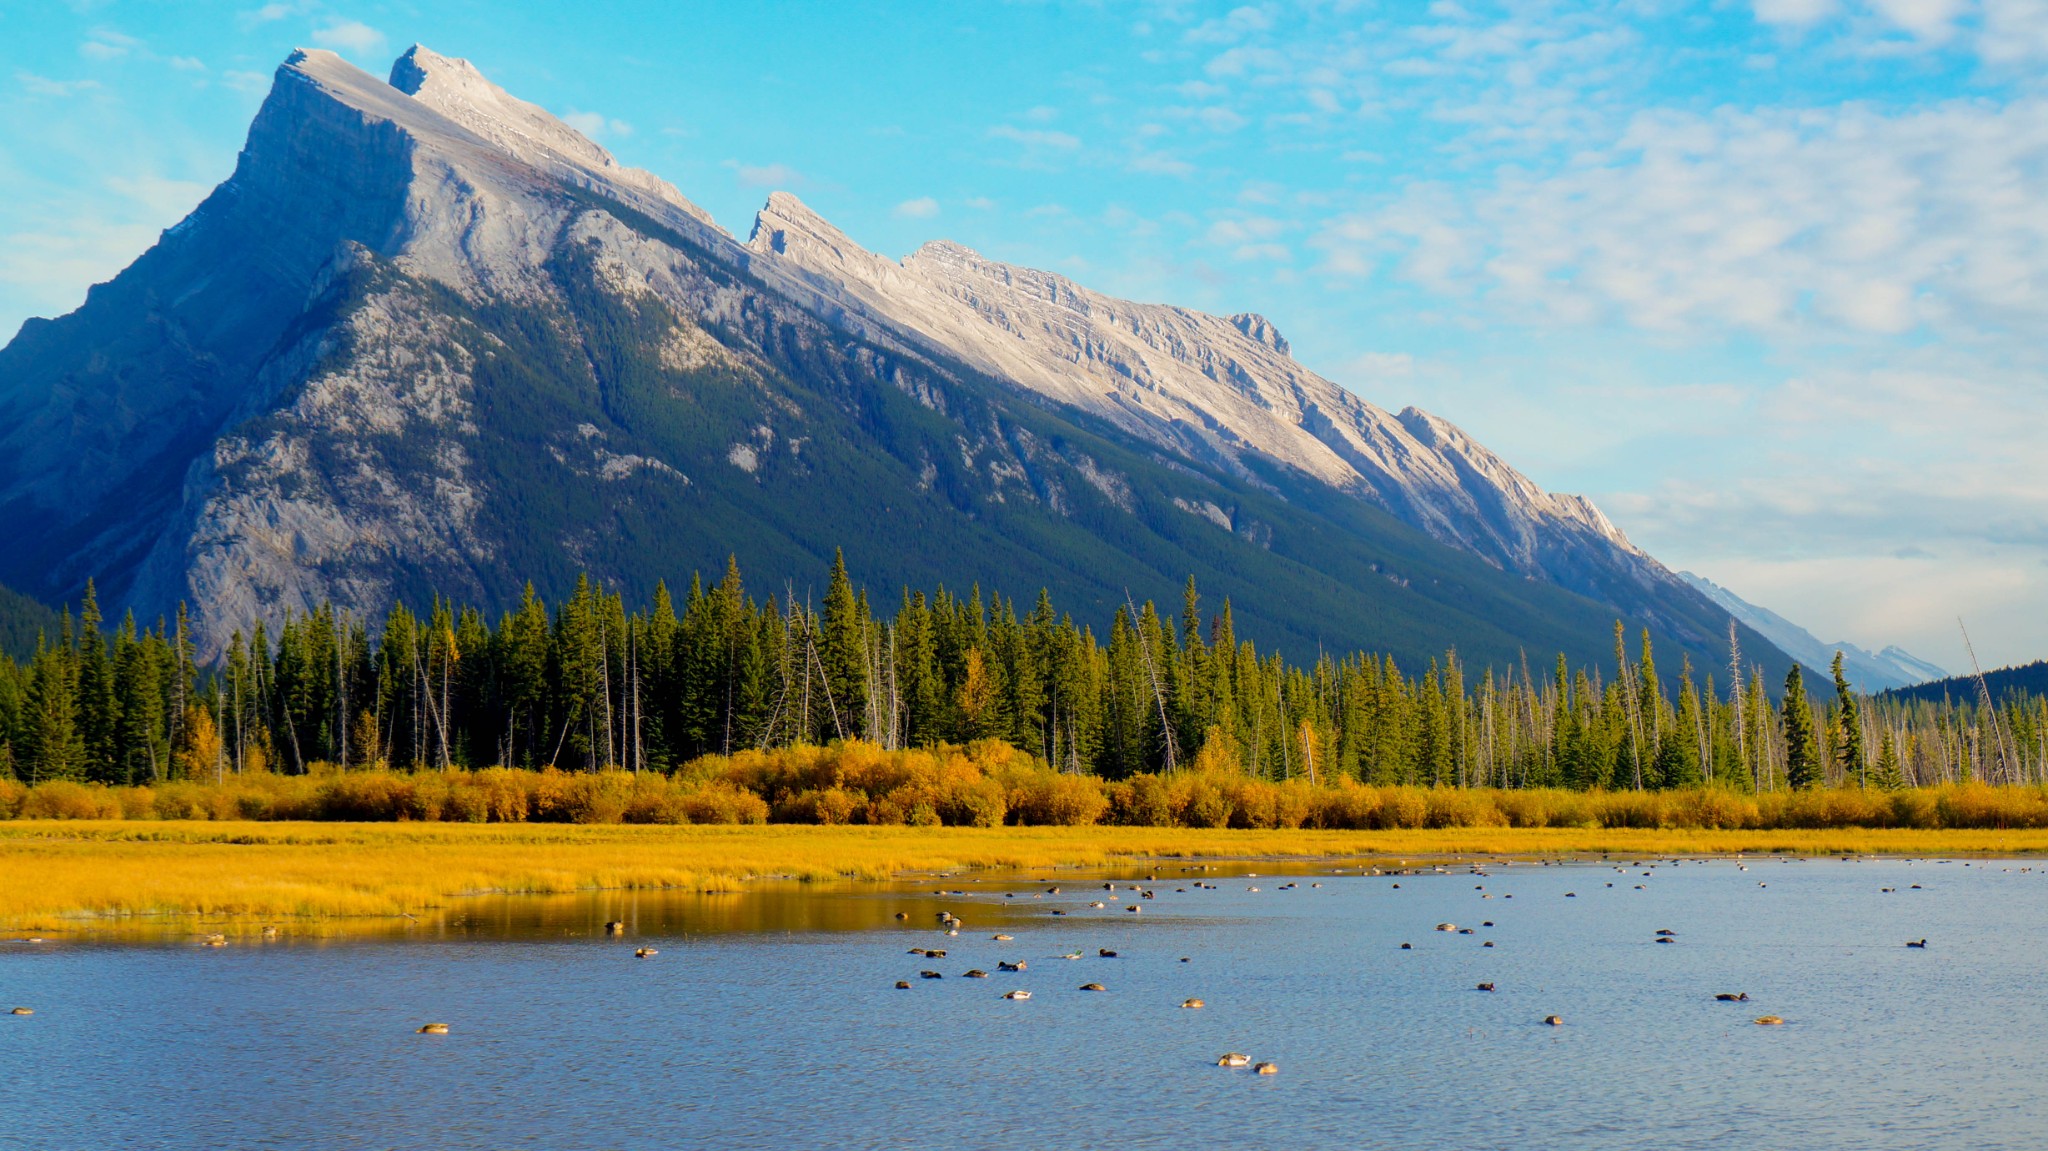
(1890, 668)
(1223, 390)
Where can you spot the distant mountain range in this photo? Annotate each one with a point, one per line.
(1893, 667)
(2031, 678)
(427, 338)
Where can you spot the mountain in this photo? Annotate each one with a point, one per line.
(2003, 683)
(22, 622)
(1894, 667)
(426, 338)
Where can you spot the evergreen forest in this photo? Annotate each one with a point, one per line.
(587, 684)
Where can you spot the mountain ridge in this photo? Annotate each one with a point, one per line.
(352, 407)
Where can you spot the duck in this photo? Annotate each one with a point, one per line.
(1000, 938)
(614, 928)
(1017, 995)
(1554, 1020)
(1006, 965)
(1192, 1004)
(1267, 1069)
(1446, 927)
(1104, 953)
(902, 915)
(1666, 931)
(1098, 905)
(903, 985)
(1488, 943)
(1486, 987)
(1407, 947)
(1916, 943)
(929, 975)
(1133, 909)
(1093, 987)
(23, 1011)
(976, 973)
(1734, 997)
(270, 931)
(1071, 955)
(1770, 1021)
(1234, 1059)
(434, 1029)
(645, 953)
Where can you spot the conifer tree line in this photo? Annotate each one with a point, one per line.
(587, 685)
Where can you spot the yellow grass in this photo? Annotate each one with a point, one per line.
(52, 872)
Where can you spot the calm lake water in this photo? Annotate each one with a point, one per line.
(770, 1018)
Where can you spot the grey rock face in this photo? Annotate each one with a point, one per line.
(278, 404)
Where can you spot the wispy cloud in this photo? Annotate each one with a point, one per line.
(44, 86)
(1035, 137)
(922, 208)
(595, 125)
(769, 176)
(351, 36)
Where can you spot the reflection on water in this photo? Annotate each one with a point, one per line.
(770, 1018)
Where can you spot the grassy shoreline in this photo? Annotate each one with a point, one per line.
(59, 874)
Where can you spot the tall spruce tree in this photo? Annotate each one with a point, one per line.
(1802, 758)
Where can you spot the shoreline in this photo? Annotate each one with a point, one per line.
(65, 875)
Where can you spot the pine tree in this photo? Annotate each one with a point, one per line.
(1802, 759)
(1849, 721)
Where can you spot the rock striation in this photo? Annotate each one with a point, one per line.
(428, 338)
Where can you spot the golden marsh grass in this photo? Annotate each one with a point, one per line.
(52, 873)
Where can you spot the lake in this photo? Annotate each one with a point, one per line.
(770, 1018)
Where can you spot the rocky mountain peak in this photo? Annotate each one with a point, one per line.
(1261, 329)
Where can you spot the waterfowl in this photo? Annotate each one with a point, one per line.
(1666, 939)
(1004, 965)
(1000, 938)
(1488, 923)
(903, 985)
(1464, 931)
(902, 915)
(1052, 891)
(434, 1029)
(270, 931)
(1916, 943)
(1093, 987)
(1666, 931)
(1059, 912)
(976, 973)
(1251, 889)
(1071, 955)
(1446, 927)
(1133, 909)
(1486, 987)
(934, 953)
(23, 1011)
(1315, 885)
(1267, 1069)
(1234, 1059)
(929, 975)
(1554, 1020)
(1017, 995)
(645, 953)
(1769, 1021)
(1488, 943)
(1407, 947)
(1738, 997)
(1184, 959)
(215, 941)
(1105, 953)
(614, 928)
(1191, 1004)
(1575, 895)
(1098, 905)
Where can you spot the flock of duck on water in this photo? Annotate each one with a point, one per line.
(951, 924)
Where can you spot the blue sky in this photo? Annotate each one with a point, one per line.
(1765, 278)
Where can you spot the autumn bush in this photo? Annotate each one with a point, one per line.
(991, 784)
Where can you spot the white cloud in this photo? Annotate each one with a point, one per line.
(1841, 220)
(594, 125)
(107, 44)
(771, 176)
(44, 86)
(352, 36)
(922, 208)
(187, 63)
(1035, 137)
(267, 14)
(1798, 12)
(1159, 164)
